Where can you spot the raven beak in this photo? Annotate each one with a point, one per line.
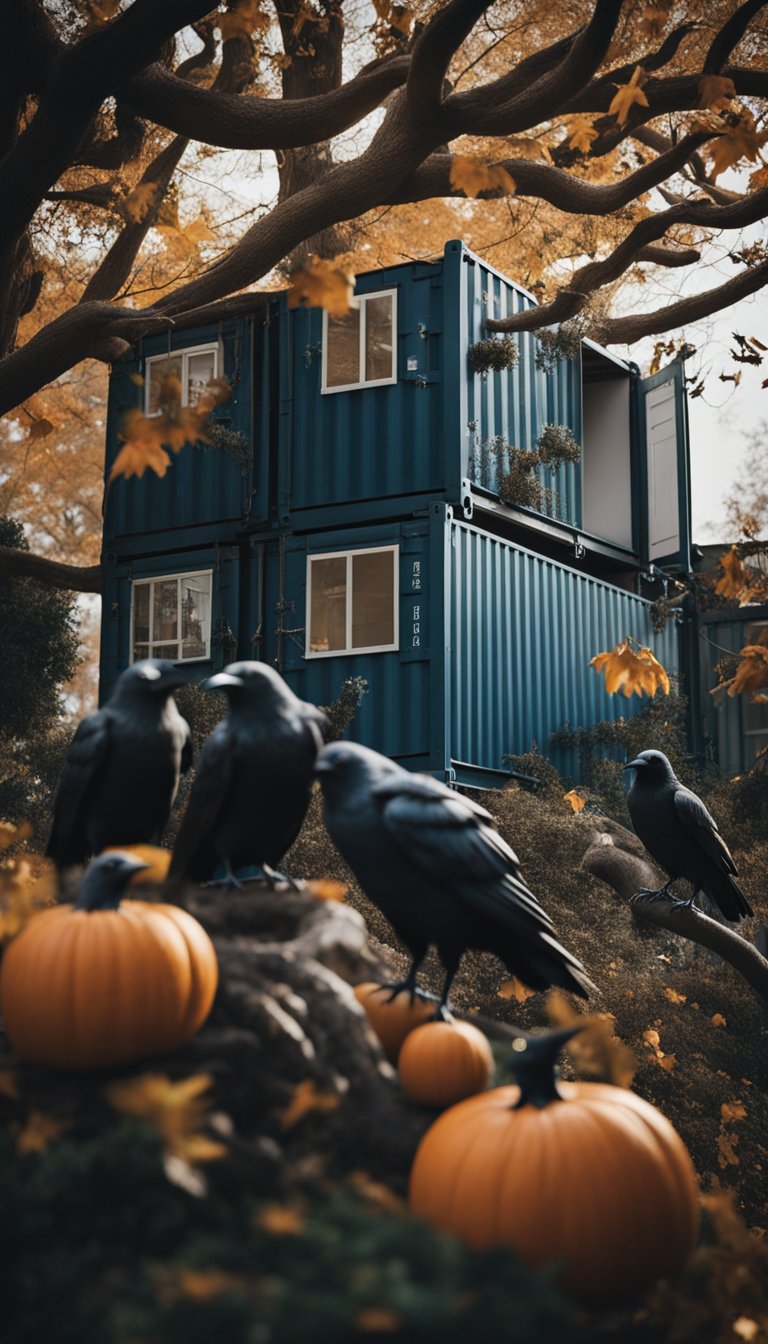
(323, 767)
(221, 680)
(171, 681)
(637, 764)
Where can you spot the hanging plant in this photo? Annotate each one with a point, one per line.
(493, 354)
(554, 345)
(557, 446)
(584, 1176)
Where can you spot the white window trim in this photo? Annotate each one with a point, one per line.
(348, 555)
(147, 581)
(184, 355)
(362, 301)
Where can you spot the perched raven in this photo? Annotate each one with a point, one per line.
(122, 768)
(432, 862)
(679, 833)
(105, 879)
(254, 780)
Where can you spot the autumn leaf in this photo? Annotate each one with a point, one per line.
(205, 1285)
(758, 179)
(38, 1133)
(137, 379)
(731, 1111)
(139, 202)
(324, 889)
(11, 834)
(376, 1193)
(472, 176)
(735, 577)
(726, 1150)
(716, 92)
(245, 16)
(146, 437)
(654, 20)
(281, 1220)
(378, 1320)
(8, 1086)
(307, 1097)
(322, 284)
(176, 1110)
(27, 884)
(740, 140)
(581, 133)
(627, 95)
(631, 672)
(674, 996)
(652, 1040)
(139, 456)
(574, 799)
(596, 1051)
(718, 1020)
(751, 676)
(514, 989)
(528, 147)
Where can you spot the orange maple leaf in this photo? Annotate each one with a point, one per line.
(735, 576)
(627, 95)
(136, 457)
(322, 284)
(716, 92)
(654, 20)
(740, 140)
(631, 672)
(726, 1150)
(731, 1111)
(473, 176)
(516, 990)
(575, 800)
(751, 675)
(307, 1097)
(581, 133)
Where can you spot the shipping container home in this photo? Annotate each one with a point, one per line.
(352, 514)
(732, 728)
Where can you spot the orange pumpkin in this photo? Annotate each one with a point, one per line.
(582, 1175)
(89, 988)
(392, 1021)
(443, 1062)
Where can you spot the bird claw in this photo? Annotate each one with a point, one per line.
(228, 883)
(273, 878)
(410, 986)
(661, 895)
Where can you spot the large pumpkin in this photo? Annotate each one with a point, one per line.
(442, 1062)
(392, 1019)
(88, 988)
(581, 1175)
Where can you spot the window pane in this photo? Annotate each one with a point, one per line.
(343, 353)
(328, 617)
(140, 651)
(160, 372)
(373, 610)
(200, 370)
(195, 616)
(166, 651)
(165, 612)
(141, 612)
(378, 338)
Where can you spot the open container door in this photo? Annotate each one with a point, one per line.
(665, 491)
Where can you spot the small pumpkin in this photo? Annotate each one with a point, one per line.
(440, 1063)
(392, 1019)
(106, 982)
(582, 1175)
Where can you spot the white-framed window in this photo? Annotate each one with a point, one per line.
(360, 349)
(352, 601)
(194, 368)
(171, 617)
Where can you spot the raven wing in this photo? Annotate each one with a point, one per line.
(452, 840)
(193, 854)
(87, 755)
(187, 751)
(702, 826)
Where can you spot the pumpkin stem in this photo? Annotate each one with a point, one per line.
(534, 1065)
(105, 881)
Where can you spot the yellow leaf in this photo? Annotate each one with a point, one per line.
(575, 800)
(581, 133)
(726, 1150)
(307, 1097)
(193, 1148)
(245, 16)
(136, 458)
(175, 1110)
(716, 92)
(718, 1020)
(735, 578)
(472, 176)
(740, 140)
(378, 1320)
(140, 201)
(626, 96)
(515, 989)
(39, 1131)
(159, 861)
(731, 1111)
(205, 1285)
(324, 889)
(674, 997)
(666, 1062)
(321, 284)
(651, 1038)
(638, 673)
(757, 181)
(281, 1220)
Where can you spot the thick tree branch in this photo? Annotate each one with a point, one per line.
(232, 121)
(626, 330)
(730, 35)
(615, 861)
(434, 50)
(53, 573)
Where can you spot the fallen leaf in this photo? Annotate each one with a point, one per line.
(136, 458)
(322, 284)
(575, 799)
(674, 996)
(140, 201)
(307, 1097)
(473, 176)
(378, 1320)
(281, 1220)
(11, 834)
(38, 1133)
(666, 1062)
(376, 1193)
(515, 989)
(718, 1020)
(726, 1154)
(325, 889)
(205, 1285)
(740, 140)
(731, 1111)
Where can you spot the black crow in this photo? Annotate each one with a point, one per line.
(432, 862)
(679, 833)
(122, 768)
(105, 879)
(253, 783)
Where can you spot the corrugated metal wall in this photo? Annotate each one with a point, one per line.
(515, 404)
(523, 630)
(735, 729)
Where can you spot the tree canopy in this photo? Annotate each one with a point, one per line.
(373, 132)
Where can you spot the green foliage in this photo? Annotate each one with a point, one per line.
(493, 354)
(38, 650)
(97, 1246)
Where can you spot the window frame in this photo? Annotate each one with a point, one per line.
(362, 301)
(349, 651)
(183, 354)
(147, 581)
